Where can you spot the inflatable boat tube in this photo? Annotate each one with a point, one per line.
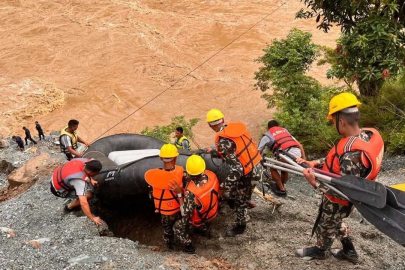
(126, 158)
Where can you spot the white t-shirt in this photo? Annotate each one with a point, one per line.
(80, 186)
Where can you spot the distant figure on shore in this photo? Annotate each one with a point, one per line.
(19, 141)
(75, 180)
(181, 141)
(28, 136)
(40, 131)
(68, 140)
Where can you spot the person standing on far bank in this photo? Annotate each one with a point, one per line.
(40, 131)
(28, 136)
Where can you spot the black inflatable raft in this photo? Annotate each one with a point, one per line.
(126, 158)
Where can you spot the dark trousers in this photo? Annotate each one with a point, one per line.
(31, 139)
(69, 156)
(20, 145)
(41, 134)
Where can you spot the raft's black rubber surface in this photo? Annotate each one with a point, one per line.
(126, 183)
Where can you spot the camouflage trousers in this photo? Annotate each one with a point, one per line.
(243, 192)
(331, 223)
(182, 230)
(168, 224)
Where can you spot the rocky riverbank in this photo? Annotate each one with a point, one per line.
(35, 233)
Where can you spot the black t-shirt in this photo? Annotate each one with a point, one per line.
(38, 127)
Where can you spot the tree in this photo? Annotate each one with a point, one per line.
(371, 47)
(302, 103)
(163, 132)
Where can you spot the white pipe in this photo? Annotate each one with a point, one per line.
(301, 174)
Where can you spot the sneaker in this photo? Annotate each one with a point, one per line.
(67, 209)
(312, 252)
(276, 190)
(350, 255)
(190, 249)
(235, 230)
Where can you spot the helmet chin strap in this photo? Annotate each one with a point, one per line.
(337, 123)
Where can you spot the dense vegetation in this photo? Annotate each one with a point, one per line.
(302, 102)
(163, 132)
(371, 47)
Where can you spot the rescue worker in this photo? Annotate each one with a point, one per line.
(235, 145)
(167, 202)
(181, 141)
(28, 136)
(75, 180)
(200, 205)
(359, 153)
(68, 140)
(40, 131)
(278, 138)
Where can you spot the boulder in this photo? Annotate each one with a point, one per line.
(4, 144)
(33, 169)
(6, 167)
(55, 133)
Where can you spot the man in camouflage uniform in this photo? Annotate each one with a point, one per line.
(183, 226)
(168, 154)
(197, 174)
(237, 183)
(331, 215)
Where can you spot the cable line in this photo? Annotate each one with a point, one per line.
(194, 69)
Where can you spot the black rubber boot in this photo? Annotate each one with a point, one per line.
(235, 230)
(348, 252)
(170, 244)
(190, 249)
(313, 252)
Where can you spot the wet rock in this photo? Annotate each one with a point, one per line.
(4, 144)
(55, 133)
(6, 167)
(37, 242)
(87, 259)
(9, 232)
(38, 166)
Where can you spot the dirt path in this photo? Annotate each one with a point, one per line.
(99, 61)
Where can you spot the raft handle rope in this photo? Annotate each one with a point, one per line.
(194, 69)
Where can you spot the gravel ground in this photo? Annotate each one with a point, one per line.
(70, 241)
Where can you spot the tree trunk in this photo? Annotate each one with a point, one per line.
(369, 89)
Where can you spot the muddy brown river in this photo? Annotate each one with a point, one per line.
(98, 61)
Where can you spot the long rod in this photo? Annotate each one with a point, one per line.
(294, 170)
(293, 162)
(325, 178)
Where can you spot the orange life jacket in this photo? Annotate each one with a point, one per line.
(371, 156)
(206, 198)
(73, 169)
(283, 138)
(166, 201)
(246, 149)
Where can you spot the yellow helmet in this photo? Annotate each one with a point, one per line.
(195, 165)
(214, 115)
(341, 102)
(168, 151)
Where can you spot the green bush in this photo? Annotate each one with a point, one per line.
(386, 113)
(163, 132)
(302, 102)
